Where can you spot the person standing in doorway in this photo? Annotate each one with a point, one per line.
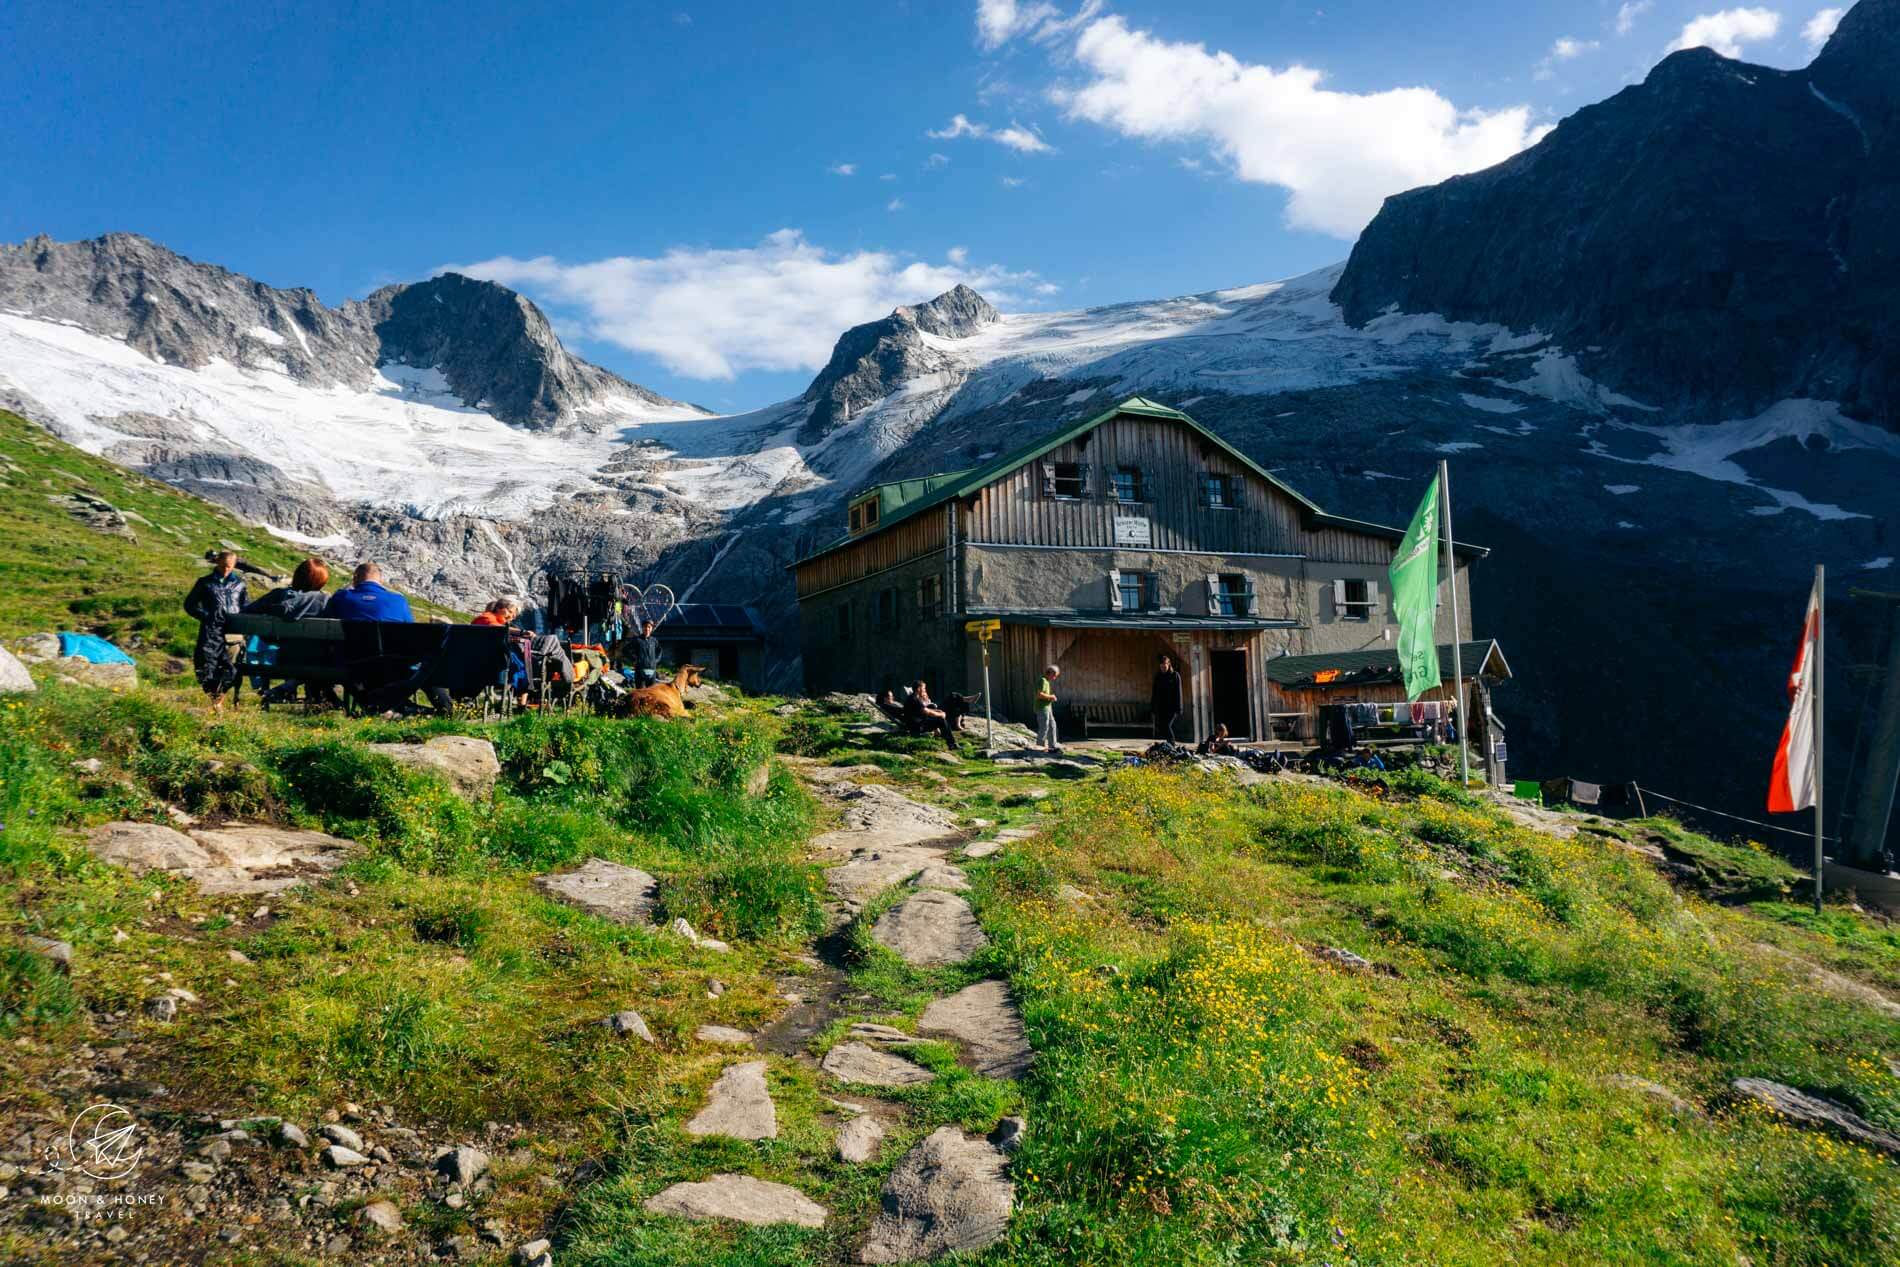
(215, 598)
(1046, 711)
(1165, 699)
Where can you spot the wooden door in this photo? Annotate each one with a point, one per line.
(1231, 697)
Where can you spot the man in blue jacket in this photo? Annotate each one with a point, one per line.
(365, 598)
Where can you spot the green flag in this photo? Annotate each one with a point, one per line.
(1414, 576)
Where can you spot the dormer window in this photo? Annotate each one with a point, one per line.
(864, 515)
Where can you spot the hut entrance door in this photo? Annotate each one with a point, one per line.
(1228, 687)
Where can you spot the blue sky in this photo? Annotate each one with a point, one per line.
(704, 194)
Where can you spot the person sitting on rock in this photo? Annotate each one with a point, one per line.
(922, 716)
(1216, 744)
(299, 600)
(365, 598)
(215, 597)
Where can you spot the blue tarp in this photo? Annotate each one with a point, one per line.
(91, 648)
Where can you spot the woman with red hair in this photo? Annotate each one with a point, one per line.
(299, 600)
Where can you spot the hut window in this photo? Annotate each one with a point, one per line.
(930, 597)
(1128, 487)
(1218, 492)
(887, 608)
(1132, 591)
(1065, 481)
(1229, 594)
(1354, 599)
(844, 620)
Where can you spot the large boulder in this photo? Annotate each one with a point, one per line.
(14, 679)
(1817, 1114)
(37, 648)
(951, 1192)
(470, 765)
(234, 859)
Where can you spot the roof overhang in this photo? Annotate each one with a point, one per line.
(1111, 621)
(1481, 658)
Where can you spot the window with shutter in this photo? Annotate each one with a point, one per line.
(1127, 485)
(1217, 491)
(1070, 481)
(1213, 596)
(1114, 591)
(1234, 593)
(1352, 600)
(1048, 479)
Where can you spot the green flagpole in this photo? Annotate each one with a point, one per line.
(1457, 656)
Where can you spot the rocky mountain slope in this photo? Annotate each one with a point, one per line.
(1716, 238)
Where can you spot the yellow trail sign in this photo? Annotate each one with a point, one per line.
(984, 629)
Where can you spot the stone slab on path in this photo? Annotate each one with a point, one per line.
(469, 764)
(236, 859)
(951, 1192)
(610, 890)
(930, 929)
(739, 1199)
(876, 816)
(858, 1062)
(738, 1105)
(981, 848)
(724, 1034)
(871, 871)
(943, 875)
(984, 1019)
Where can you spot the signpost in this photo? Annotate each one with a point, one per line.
(985, 631)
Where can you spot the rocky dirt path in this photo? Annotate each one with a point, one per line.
(950, 1192)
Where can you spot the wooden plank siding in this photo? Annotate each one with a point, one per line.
(899, 544)
(1014, 511)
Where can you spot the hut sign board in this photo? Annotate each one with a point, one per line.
(1132, 530)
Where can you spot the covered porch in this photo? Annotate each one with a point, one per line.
(1108, 667)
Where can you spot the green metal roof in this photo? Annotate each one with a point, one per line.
(1483, 656)
(935, 490)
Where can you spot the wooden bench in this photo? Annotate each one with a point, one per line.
(374, 660)
(1095, 720)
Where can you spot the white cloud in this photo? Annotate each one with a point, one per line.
(1626, 16)
(1015, 136)
(844, 169)
(895, 204)
(888, 176)
(1568, 47)
(1727, 31)
(1338, 154)
(937, 160)
(1820, 26)
(958, 255)
(1013, 182)
(1000, 21)
(711, 314)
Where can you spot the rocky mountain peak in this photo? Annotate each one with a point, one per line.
(957, 313)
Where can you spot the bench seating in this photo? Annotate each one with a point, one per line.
(370, 658)
(1093, 720)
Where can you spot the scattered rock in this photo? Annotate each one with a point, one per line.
(1072, 895)
(741, 1199)
(1342, 958)
(343, 1158)
(1008, 1134)
(83, 672)
(950, 1192)
(629, 1022)
(738, 1105)
(233, 859)
(14, 679)
(856, 1062)
(535, 1253)
(943, 875)
(872, 1032)
(715, 988)
(469, 764)
(982, 848)
(859, 1138)
(684, 929)
(292, 1136)
(1655, 1091)
(37, 648)
(463, 1165)
(930, 929)
(58, 953)
(339, 1134)
(163, 1009)
(984, 1019)
(723, 1034)
(1812, 1111)
(380, 1216)
(620, 894)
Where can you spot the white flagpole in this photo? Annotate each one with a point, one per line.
(1457, 654)
(1820, 628)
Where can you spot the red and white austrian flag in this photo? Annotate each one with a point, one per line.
(1791, 786)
